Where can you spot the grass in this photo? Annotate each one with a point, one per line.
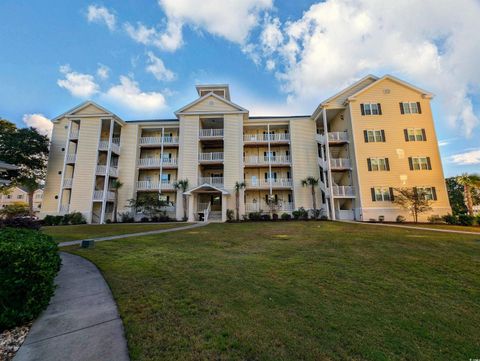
(83, 231)
(296, 291)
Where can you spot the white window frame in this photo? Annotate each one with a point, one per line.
(427, 191)
(371, 109)
(415, 134)
(410, 107)
(382, 194)
(374, 135)
(420, 162)
(378, 164)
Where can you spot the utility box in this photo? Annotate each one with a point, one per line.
(88, 243)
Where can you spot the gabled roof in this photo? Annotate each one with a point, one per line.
(211, 94)
(223, 191)
(396, 80)
(84, 105)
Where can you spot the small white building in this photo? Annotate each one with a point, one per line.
(19, 195)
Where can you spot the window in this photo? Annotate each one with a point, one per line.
(428, 193)
(382, 194)
(374, 136)
(378, 164)
(371, 109)
(9, 196)
(415, 135)
(165, 178)
(410, 108)
(20, 196)
(419, 163)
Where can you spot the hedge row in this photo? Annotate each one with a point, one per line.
(29, 262)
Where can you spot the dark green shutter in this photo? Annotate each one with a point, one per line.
(401, 108)
(369, 164)
(362, 109)
(365, 134)
(424, 135)
(434, 193)
(387, 164)
(405, 132)
(392, 197)
(372, 190)
(429, 164)
(383, 136)
(410, 162)
(419, 108)
(379, 109)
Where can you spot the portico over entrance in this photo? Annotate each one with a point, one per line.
(207, 202)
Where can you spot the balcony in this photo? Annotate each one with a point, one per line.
(320, 138)
(157, 141)
(67, 183)
(212, 157)
(340, 164)
(265, 138)
(274, 160)
(257, 207)
(214, 181)
(102, 171)
(98, 195)
(154, 186)
(156, 162)
(337, 137)
(64, 208)
(74, 134)
(103, 144)
(322, 163)
(343, 191)
(210, 133)
(71, 158)
(265, 183)
(115, 146)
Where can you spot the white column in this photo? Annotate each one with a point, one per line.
(191, 200)
(60, 194)
(269, 160)
(161, 163)
(107, 175)
(329, 172)
(224, 207)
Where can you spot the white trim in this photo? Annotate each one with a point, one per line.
(60, 196)
(189, 192)
(226, 101)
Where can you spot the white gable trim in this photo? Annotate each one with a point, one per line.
(223, 191)
(69, 113)
(211, 94)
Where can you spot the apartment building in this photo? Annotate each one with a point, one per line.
(17, 195)
(362, 143)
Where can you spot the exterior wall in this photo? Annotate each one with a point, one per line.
(85, 166)
(304, 160)
(396, 149)
(233, 157)
(212, 105)
(55, 164)
(127, 165)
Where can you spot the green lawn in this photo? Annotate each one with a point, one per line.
(296, 291)
(83, 231)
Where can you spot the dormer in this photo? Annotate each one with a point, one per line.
(222, 90)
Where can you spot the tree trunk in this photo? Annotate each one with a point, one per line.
(184, 197)
(237, 204)
(114, 220)
(30, 203)
(314, 201)
(468, 199)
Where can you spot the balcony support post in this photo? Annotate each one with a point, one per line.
(161, 163)
(328, 168)
(60, 194)
(107, 174)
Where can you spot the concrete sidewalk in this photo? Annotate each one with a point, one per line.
(82, 321)
(147, 233)
(413, 227)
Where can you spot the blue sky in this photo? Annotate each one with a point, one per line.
(141, 59)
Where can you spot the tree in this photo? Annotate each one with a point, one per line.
(27, 149)
(469, 183)
(115, 185)
(238, 187)
(413, 200)
(149, 204)
(311, 182)
(17, 209)
(182, 185)
(455, 196)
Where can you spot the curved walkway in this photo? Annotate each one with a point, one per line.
(413, 227)
(81, 322)
(138, 234)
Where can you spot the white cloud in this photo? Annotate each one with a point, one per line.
(140, 33)
(103, 71)
(158, 69)
(467, 158)
(39, 122)
(339, 41)
(100, 14)
(129, 95)
(78, 84)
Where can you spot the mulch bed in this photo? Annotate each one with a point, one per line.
(11, 340)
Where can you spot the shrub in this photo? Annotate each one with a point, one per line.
(144, 219)
(126, 218)
(275, 217)
(265, 217)
(255, 216)
(400, 219)
(28, 223)
(315, 213)
(286, 216)
(14, 210)
(67, 219)
(435, 219)
(466, 220)
(300, 213)
(28, 264)
(155, 219)
(77, 218)
(230, 215)
(478, 220)
(450, 219)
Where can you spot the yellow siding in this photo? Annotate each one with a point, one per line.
(211, 105)
(233, 159)
(127, 164)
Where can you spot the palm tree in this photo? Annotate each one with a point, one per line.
(182, 185)
(468, 182)
(311, 182)
(238, 187)
(115, 185)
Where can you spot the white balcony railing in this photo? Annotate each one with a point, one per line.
(280, 137)
(168, 185)
(67, 183)
(214, 181)
(156, 162)
(97, 195)
(102, 170)
(345, 214)
(74, 133)
(103, 144)
(343, 191)
(257, 207)
(64, 208)
(71, 158)
(158, 140)
(148, 185)
(115, 146)
(320, 138)
(340, 163)
(210, 157)
(321, 162)
(337, 136)
(210, 133)
(113, 172)
(278, 159)
(265, 183)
